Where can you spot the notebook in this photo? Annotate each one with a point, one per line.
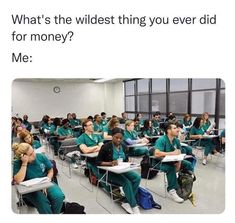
(172, 158)
(35, 181)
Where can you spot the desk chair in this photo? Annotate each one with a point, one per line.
(67, 151)
(109, 188)
(157, 167)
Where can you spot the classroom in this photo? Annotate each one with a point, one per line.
(101, 143)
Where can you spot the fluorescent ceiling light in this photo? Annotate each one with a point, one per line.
(101, 80)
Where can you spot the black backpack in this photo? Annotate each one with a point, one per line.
(72, 208)
(145, 165)
(185, 181)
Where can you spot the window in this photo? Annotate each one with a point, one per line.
(222, 83)
(179, 84)
(143, 103)
(130, 88)
(204, 84)
(130, 116)
(143, 86)
(130, 103)
(159, 103)
(158, 85)
(178, 102)
(222, 102)
(203, 101)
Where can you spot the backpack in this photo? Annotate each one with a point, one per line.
(145, 199)
(185, 181)
(72, 208)
(145, 165)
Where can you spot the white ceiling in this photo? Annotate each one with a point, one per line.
(73, 80)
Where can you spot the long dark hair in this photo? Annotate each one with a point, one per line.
(197, 122)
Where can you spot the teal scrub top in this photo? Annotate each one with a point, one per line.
(130, 135)
(36, 144)
(206, 125)
(74, 122)
(187, 123)
(164, 144)
(148, 132)
(104, 122)
(107, 129)
(51, 128)
(98, 127)
(94, 140)
(38, 168)
(118, 153)
(222, 134)
(195, 131)
(65, 132)
(155, 123)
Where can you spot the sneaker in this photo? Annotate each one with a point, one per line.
(204, 162)
(121, 191)
(74, 165)
(174, 196)
(127, 208)
(136, 210)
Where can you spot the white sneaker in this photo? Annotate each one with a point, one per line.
(74, 165)
(174, 196)
(204, 162)
(127, 208)
(121, 191)
(136, 210)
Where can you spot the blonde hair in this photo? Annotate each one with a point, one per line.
(20, 148)
(128, 122)
(24, 133)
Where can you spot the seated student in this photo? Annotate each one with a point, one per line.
(207, 125)
(74, 121)
(113, 123)
(104, 120)
(197, 133)
(26, 123)
(222, 138)
(90, 118)
(29, 165)
(137, 125)
(26, 137)
(123, 119)
(130, 181)
(187, 122)
(74, 124)
(98, 127)
(156, 120)
(64, 131)
(131, 138)
(89, 142)
(148, 131)
(170, 145)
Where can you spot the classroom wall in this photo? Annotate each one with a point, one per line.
(37, 99)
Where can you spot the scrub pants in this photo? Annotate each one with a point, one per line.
(208, 144)
(53, 141)
(130, 182)
(187, 150)
(50, 204)
(138, 151)
(169, 169)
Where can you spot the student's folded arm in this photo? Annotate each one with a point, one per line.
(132, 142)
(106, 136)
(86, 149)
(50, 173)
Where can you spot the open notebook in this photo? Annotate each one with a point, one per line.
(172, 158)
(35, 181)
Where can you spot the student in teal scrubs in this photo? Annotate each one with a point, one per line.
(64, 131)
(75, 124)
(29, 165)
(28, 126)
(197, 133)
(89, 142)
(26, 137)
(137, 125)
(207, 125)
(131, 138)
(104, 120)
(113, 123)
(170, 145)
(98, 127)
(109, 155)
(156, 120)
(187, 122)
(148, 131)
